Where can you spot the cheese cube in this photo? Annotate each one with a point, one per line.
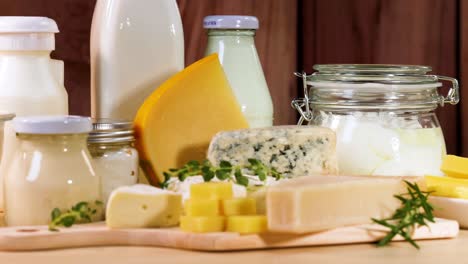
(141, 206)
(211, 191)
(291, 150)
(202, 224)
(454, 166)
(202, 207)
(447, 187)
(309, 204)
(247, 224)
(239, 206)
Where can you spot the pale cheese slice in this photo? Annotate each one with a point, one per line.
(142, 206)
(315, 203)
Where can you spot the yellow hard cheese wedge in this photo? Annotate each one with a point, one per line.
(447, 187)
(141, 206)
(176, 123)
(202, 224)
(202, 207)
(454, 166)
(211, 191)
(247, 224)
(239, 206)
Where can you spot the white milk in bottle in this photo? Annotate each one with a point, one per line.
(233, 38)
(30, 82)
(135, 46)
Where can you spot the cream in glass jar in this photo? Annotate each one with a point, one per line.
(51, 168)
(111, 144)
(232, 37)
(383, 115)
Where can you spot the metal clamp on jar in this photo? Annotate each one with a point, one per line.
(115, 158)
(383, 116)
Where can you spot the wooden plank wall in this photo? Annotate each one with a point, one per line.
(294, 35)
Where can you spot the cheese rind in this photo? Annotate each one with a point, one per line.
(291, 150)
(143, 206)
(202, 224)
(309, 204)
(247, 224)
(456, 167)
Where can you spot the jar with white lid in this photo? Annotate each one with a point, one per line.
(232, 37)
(111, 144)
(51, 168)
(383, 115)
(31, 83)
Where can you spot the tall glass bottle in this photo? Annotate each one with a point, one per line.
(233, 38)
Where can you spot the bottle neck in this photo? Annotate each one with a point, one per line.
(54, 141)
(246, 33)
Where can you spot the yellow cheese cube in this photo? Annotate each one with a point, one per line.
(202, 207)
(202, 224)
(454, 166)
(211, 191)
(239, 206)
(447, 187)
(247, 224)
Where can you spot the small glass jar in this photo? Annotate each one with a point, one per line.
(233, 39)
(383, 116)
(51, 168)
(115, 158)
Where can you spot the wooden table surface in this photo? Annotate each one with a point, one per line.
(437, 251)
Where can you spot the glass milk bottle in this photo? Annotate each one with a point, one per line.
(232, 37)
(51, 168)
(31, 83)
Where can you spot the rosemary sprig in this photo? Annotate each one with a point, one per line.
(415, 211)
(225, 171)
(79, 213)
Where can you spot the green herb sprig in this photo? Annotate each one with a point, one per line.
(79, 213)
(225, 171)
(415, 211)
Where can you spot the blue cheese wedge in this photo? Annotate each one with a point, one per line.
(291, 150)
(143, 206)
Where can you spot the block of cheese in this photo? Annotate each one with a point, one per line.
(247, 224)
(142, 206)
(239, 206)
(202, 224)
(447, 186)
(292, 150)
(197, 207)
(176, 123)
(454, 166)
(211, 191)
(315, 203)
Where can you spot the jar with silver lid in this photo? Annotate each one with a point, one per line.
(383, 115)
(111, 144)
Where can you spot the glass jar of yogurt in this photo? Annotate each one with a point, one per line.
(383, 116)
(111, 144)
(51, 168)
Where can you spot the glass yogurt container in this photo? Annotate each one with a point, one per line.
(383, 116)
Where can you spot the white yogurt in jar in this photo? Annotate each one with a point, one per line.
(369, 145)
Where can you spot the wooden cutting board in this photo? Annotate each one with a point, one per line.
(97, 234)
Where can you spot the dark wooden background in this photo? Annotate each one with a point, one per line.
(294, 35)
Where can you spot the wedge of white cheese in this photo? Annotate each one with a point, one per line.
(291, 150)
(315, 203)
(142, 206)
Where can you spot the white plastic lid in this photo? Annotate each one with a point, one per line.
(52, 125)
(231, 22)
(27, 33)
